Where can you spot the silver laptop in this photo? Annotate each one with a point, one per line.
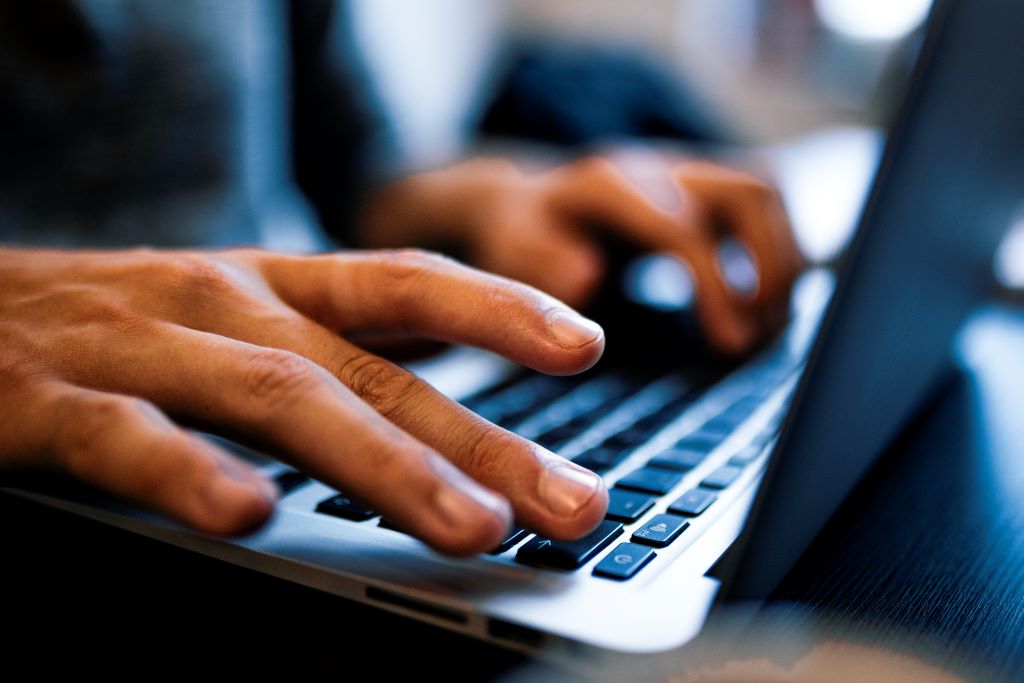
(719, 476)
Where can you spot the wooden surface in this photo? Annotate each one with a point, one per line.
(927, 558)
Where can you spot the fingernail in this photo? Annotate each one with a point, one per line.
(267, 488)
(461, 507)
(566, 489)
(572, 330)
(460, 500)
(250, 478)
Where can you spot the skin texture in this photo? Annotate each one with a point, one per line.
(104, 354)
(542, 228)
(99, 350)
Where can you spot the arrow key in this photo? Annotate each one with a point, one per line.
(543, 552)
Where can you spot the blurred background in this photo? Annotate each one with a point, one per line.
(811, 83)
(116, 114)
(764, 69)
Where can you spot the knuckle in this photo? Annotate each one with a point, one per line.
(403, 264)
(276, 380)
(196, 275)
(490, 448)
(97, 311)
(382, 384)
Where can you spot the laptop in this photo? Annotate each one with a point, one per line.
(720, 476)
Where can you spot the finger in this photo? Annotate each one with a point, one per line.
(730, 326)
(561, 261)
(548, 493)
(594, 190)
(437, 298)
(597, 191)
(297, 410)
(753, 212)
(128, 447)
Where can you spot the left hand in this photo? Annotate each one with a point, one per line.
(540, 229)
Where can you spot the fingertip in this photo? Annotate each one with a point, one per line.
(575, 498)
(468, 527)
(729, 333)
(579, 342)
(228, 507)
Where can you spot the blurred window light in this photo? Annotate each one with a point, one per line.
(1009, 263)
(659, 281)
(873, 20)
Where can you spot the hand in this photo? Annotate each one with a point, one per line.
(540, 229)
(97, 349)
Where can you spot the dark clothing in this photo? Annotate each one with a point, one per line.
(177, 123)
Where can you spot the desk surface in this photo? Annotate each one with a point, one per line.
(928, 552)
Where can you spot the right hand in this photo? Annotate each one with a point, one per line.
(97, 349)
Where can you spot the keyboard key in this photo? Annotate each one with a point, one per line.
(626, 506)
(698, 441)
(346, 508)
(624, 562)
(693, 502)
(650, 480)
(514, 537)
(718, 427)
(289, 480)
(386, 523)
(630, 437)
(660, 531)
(722, 477)
(600, 458)
(742, 409)
(543, 552)
(652, 422)
(554, 437)
(680, 459)
(746, 455)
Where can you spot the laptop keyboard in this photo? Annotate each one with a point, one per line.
(600, 420)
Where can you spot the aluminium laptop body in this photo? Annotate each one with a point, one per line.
(950, 181)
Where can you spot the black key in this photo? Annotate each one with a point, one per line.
(693, 502)
(699, 441)
(386, 523)
(741, 409)
(580, 423)
(660, 531)
(554, 437)
(719, 427)
(624, 562)
(346, 508)
(514, 537)
(746, 455)
(599, 459)
(650, 480)
(722, 477)
(680, 459)
(289, 480)
(656, 420)
(543, 552)
(628, 438)
(626, 506)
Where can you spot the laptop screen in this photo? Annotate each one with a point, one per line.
(949, 185)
